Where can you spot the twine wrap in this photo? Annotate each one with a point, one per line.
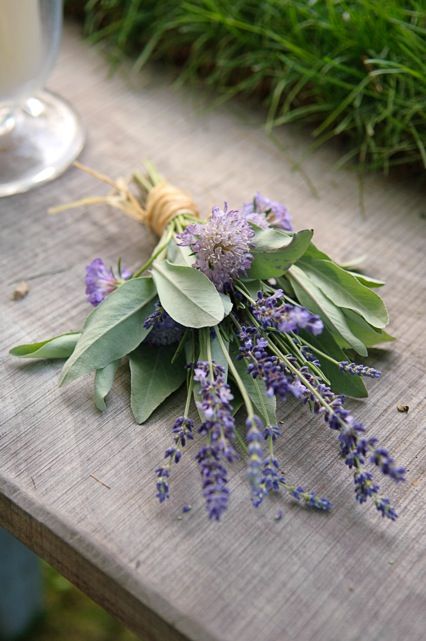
(164, 202)
(154, 207)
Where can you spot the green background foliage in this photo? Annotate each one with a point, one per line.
(352, 69)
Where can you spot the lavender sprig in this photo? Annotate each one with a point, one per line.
(219, 428)
(183, 432)
(282, 375)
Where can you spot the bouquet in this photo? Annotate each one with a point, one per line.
(242, 311)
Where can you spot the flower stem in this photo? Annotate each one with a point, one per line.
(236, 376)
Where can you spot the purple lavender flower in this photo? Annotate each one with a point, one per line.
(309, 499)
(359, 370)
(386, 463)
(254, 439)
(214, 480)
(278, 380)
(182, 430)
(101, 281)
(215, 404)
(165, 331)
(273, 312)
(262, 212)
(384, 507)
(163, 487)
(221, 246)
(354, 446)
(219, 428)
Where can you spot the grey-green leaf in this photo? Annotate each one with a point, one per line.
(153, 378)
(114, 329)
(227, 304)
(346, 291)
(58, 347)
(271, 239)
(271, 264)
(368, 281)
(104, 379)
(369, 335)
(312, 297)
(187, 295)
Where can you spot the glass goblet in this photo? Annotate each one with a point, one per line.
(40, 134)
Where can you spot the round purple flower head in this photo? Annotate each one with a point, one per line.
(221, 245)
(101, 281)
(165, 331)
(262, 211)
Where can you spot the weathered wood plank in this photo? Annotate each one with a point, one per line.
(340, 577)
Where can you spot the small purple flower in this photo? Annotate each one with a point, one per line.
(384, 507)
(215, 404)
(163, 486)
(262, 212)
(101, 281)
(359, 370)
(273, 313)
(309, 499)
(254, 437)
(214, 480)
(219, 428)
(280, 378)
(165, 330)
(221, 245)
(182, 430)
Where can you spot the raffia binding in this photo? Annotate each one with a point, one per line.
(163, 203)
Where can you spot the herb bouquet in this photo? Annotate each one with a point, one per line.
(242, 311)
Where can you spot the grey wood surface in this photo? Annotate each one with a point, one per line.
(77, 486)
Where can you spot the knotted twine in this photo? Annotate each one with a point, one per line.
(163, 201)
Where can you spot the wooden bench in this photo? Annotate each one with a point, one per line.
(77, 486)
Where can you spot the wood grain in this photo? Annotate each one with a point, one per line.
(77, 486)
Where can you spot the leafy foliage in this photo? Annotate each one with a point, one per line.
(348, 68)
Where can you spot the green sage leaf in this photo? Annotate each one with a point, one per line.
(346, 291)
(58, 347)
(227, 303)
(113, 329)
(313, 298)
(366, 280)
(104, 379)
(370, 336)
(271, 264)
(153, 378)
(187, 295)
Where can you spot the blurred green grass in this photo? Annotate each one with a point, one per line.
(354, 70)
(71, 616)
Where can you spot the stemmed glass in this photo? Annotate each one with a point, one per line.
(40, 134)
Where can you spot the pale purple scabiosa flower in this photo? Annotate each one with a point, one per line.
(273, 312)
(101, 281)
(164, 330)
(219, 428)
(263, 212)
(221, 245)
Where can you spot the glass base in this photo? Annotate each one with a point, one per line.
(38, 141)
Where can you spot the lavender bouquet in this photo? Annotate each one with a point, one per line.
(242, 311)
